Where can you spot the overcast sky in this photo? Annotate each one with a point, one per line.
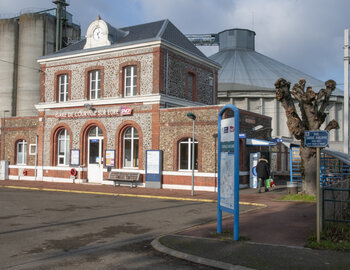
(305, 34)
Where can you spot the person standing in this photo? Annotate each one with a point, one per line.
(263, 172)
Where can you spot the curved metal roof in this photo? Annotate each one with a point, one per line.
(245, 69)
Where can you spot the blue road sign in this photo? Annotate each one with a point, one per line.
(316, 138)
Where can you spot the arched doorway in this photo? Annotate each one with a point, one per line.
(95, 155)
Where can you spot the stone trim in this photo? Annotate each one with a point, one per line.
(42, 82)
(158, 70)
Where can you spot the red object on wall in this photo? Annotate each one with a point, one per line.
(73, 172)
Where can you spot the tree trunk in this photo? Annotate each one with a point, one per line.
(308, 169)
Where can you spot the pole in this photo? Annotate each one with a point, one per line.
(192, 193)
(346, 91)
(3, 141)
(3, 130)
(318, 219)
(36, 156)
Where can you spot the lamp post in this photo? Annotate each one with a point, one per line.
(3, 134)
(193, 117)
(346, 91)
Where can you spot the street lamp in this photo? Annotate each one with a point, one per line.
(3, 134)
(193, 117)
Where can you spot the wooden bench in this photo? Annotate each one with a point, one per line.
(124, 178)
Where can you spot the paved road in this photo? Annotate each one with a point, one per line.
(54, 230)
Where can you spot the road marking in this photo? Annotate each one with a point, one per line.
(129, 195)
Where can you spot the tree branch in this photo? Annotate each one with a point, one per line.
(332, 125)
(324, 95)
(283, 95)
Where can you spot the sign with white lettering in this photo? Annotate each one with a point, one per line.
(316, 138)
(123, 111)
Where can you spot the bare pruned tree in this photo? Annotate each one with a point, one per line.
(312, 115)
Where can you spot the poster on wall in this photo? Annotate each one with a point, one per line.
(110, 158)
(75, 157)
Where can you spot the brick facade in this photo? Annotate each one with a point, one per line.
(162, 81)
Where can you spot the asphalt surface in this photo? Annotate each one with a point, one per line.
(42, 229)
(274, 233)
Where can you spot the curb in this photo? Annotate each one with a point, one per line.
(196, 259)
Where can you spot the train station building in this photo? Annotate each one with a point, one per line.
(108, 99)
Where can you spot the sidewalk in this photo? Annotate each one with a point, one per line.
(276, 237)
(276, 233)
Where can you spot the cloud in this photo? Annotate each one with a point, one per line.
(305, 34)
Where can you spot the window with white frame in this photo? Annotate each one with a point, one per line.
(63, 148)
(185, 154)
(63, 88)
(21, 147)
(95, 84)
(130, 81)
(131, 148)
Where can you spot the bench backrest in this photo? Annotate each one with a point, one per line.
(124, 176)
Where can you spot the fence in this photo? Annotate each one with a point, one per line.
(336, 202)
(335, 182)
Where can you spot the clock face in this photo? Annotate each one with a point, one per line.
(97, 33)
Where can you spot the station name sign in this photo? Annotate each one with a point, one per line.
(316, 138)
(122, 111)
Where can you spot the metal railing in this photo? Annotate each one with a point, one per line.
(335, 183)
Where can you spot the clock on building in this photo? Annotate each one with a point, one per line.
(97, 34)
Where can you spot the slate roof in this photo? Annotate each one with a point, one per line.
(161, 30)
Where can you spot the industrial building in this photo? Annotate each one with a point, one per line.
(23, 39)
(247, 79)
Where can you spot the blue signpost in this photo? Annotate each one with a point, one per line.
(228, 168)
(317, 139)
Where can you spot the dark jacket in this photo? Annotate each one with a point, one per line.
(263, 169)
